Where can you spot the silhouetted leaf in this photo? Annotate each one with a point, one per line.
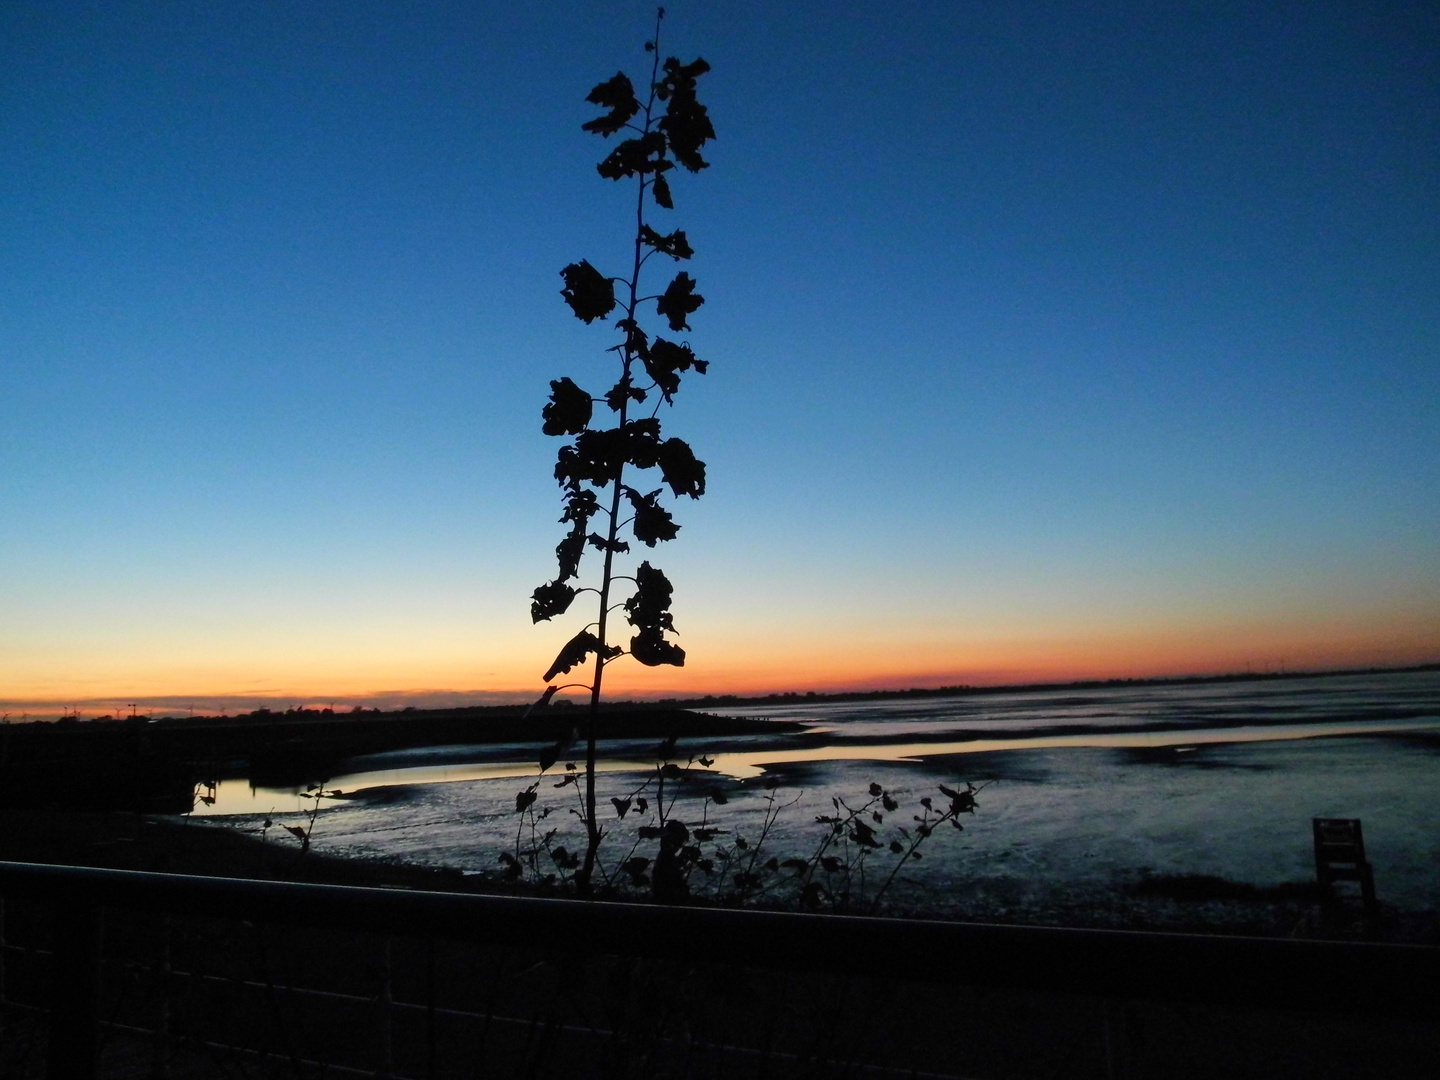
(622, 806)
(543, 699)
(617, 95)
(798, 865)
(718, 796)
(569, 409)
(580, 506)
(660, 188)
(643, 805)
(622, 391)
(524, 799)
(678, 301)
(650, 605)
(863, 834)
(686, 123)
(896, 846)
(876, 790)
(600, 543)
(635, 157)
(705, 762)
(550, 600)
(651, 832)
(575, 652)
(636, 341)
(683, 471)
(962, 802)
(569, 551)
(653, 522)
(590, 294)
(831, 864)
(597, 457)
(889, 804)
(663, 359)
(674, 244)
(648, 611)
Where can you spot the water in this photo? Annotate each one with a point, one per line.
(1086, 790)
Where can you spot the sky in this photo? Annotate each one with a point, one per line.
(1047, 341)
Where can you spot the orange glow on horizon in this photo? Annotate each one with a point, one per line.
(748, 669)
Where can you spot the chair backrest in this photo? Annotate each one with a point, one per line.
(1338, 840)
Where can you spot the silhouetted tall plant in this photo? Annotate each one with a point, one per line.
(665, 125)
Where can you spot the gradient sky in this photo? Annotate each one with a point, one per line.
(1047, 340)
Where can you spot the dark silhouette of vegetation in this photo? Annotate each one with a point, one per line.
(662, 125)
(700, 860)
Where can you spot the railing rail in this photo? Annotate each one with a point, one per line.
(1350, 978)
(1306, 975)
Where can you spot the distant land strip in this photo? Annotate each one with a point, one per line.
(792, 697)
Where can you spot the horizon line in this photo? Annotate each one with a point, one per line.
(496, 698)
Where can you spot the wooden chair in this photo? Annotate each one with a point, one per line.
(1340, 856)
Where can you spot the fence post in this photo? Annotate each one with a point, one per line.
(160, 1049)
(430, 1008)
(74, 991)
(1119, 1059)
(387, 1014)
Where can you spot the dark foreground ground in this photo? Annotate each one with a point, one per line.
(530, 1009)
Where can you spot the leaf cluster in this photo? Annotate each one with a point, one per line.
(654, 149)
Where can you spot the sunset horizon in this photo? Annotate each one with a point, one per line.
(208, 702)
(1130, 371)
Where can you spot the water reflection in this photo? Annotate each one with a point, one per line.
(467, 763)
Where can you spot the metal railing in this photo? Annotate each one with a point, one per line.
(1341, 978)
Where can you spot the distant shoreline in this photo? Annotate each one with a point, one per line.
(792, 697)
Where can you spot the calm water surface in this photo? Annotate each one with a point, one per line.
(1087, 789)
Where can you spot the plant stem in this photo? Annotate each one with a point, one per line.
(592, 829)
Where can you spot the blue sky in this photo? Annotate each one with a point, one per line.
(1046, 340)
